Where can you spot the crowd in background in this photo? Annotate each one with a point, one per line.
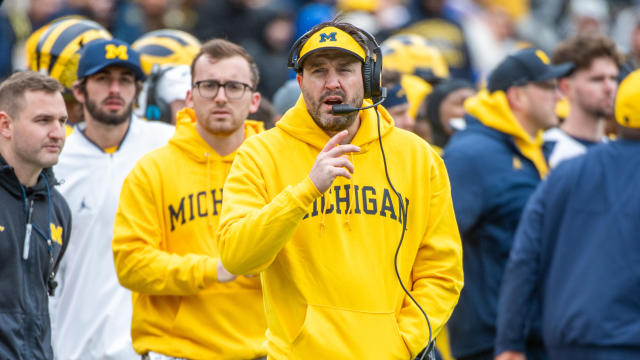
(437, 54)
(473, 36)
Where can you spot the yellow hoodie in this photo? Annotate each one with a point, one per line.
(165, 252)
(328, 275)
(492, 109)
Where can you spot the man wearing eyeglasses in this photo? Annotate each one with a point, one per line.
(185, 304)
(495, 165)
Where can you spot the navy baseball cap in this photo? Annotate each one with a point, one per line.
(99, 54)
(523, 67)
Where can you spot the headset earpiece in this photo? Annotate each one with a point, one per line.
(367, 76)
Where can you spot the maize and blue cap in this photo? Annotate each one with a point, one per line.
(330, 38)
(525, 66)
(100, 54)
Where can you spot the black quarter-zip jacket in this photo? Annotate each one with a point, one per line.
(26, 279)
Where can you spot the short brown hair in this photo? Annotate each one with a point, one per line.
(582, 49)
(222, 49)
(12, 90)
(352, 30)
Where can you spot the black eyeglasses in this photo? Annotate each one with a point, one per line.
(208, 89)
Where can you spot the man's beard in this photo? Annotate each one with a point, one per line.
(106, 118)
(338, 122)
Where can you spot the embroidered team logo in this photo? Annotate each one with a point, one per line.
(56, 233)
(113, 52)
(517, 163)
(543, 57)
(324, 37)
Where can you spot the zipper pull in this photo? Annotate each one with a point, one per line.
(27, 233)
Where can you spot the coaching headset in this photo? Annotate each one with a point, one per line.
(334, 38)
(371, 66)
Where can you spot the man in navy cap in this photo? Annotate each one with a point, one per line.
(91, 312)
(577, 249)
(494, 165)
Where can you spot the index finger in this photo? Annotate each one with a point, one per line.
(335, 140)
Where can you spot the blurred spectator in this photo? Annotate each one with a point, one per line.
(590, 90)
(444, 110)
(164, 93)
(234, 20)
(396, 102)
(55, 49)
(271, 51)
(265, 114)
(166, 47)
(491, 35)
(431, 21)
(420, 63)
(310, 15)
(588, 16)
(577, 252)
(494, 166)
(8, 40)
(286, 97)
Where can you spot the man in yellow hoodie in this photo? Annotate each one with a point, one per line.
(310, 206)
(495, 165)
(185, 304)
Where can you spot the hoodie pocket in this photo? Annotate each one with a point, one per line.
(334, 333)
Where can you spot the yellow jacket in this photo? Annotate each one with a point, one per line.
(164, 251)
(329, 284)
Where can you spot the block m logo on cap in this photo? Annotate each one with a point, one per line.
(113, 51)
(331, 37)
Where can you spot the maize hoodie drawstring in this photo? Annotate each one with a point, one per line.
(352, 195)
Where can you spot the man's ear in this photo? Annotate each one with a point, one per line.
(514, 97)
(564, 85)
(78, 93)
(255, 102)
(188, 100)
(6, 125)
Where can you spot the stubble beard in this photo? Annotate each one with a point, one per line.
(107, 118)
(334, 123)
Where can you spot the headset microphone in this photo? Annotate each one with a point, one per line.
(342, 109)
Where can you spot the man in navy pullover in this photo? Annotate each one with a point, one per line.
(577, 252)
(494, 165)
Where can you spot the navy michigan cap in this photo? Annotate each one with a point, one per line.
(100, 54)
(523, 67)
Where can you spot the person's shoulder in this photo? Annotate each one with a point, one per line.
(476, 143)
(271, 138)
(155, 127)
(158, 158)
(409, 141)
(60, 203)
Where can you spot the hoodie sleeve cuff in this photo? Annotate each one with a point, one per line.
(305, 192)
(210, 271)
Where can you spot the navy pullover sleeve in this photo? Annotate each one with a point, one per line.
(517, 294)
(466, 187)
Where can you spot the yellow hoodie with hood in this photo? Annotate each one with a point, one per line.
(492, 110)
(165, 252)
(327, 260)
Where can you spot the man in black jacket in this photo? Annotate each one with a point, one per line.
(35, 221)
